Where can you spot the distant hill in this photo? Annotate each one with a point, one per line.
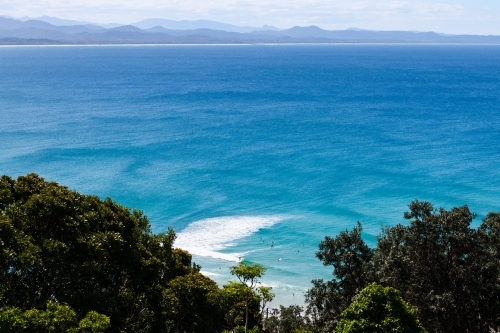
(198, 24)
(56, 21)
(159, 31)
(7, 24)
(62, 22)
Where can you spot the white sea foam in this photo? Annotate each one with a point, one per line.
(207, 237)
(206, 273)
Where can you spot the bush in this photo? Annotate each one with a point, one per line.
(378, 310)
(56, 318)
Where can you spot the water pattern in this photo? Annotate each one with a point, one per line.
(258, 152)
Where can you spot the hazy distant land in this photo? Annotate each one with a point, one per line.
(53, 31)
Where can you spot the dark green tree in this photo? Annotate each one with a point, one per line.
(92, 254)
(351, 260)
(286, 320)
(191, 304)
(447, 269)
(489, 299)
(271, 322)
(379, 310)
(291, 319)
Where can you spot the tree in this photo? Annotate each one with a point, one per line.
(237, 301)
(94, 323)
(351, 260)
(241, 329)
(286, 320)
(190, 304)
(266, 295)
(249, 275)
(88, 253)
(56, 318)
(271, 322)
(447, 269)
(378, 310)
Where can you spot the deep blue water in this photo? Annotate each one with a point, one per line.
(231, 144)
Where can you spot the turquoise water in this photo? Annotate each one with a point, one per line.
(242, 147)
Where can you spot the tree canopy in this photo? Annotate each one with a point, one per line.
(379, 309)
(55, 319)
(77, 263)
(288, 319)
(93, 255)
(448, 270)
(249, 276)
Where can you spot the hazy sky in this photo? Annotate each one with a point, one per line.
(448, 16)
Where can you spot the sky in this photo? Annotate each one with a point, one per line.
(446, 16)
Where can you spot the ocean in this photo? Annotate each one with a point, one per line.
(259, 151)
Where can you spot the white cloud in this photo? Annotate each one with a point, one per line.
(426, 8)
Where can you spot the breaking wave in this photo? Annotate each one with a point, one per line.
(208, 236)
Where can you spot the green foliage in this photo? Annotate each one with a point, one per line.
(291, 319)
(447, 269)
(249, 275)
(351, 259)
(379, 310)
(94, 323)
(286, 320)
(91, 254)
(109, 273)
(56, 318)
(441, 265)
(237, 301)
(13, 321)
(241, 329)
(191, 305)
(266, 295)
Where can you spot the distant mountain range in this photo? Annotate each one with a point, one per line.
(46, 30)
(198, 24)
(153, 22)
